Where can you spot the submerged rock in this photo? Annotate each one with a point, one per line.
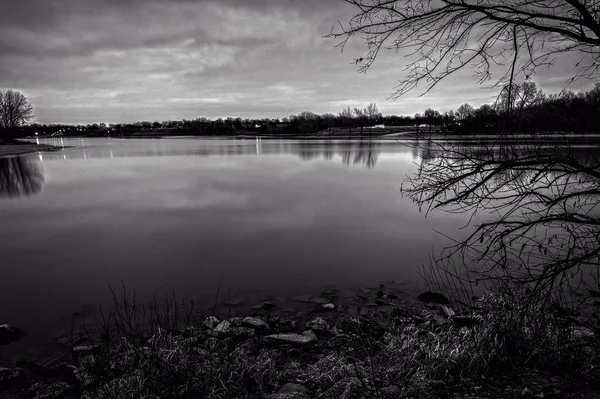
(293, 339)
(9, 334)
(269, 306)
(233, 302)
(70, 341)
(255, 323)
(12, 377)
(435, 297)
(310, 299)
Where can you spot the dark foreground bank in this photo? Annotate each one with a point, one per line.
(376, 345)
(18, 147)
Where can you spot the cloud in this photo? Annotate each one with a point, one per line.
(83, 61)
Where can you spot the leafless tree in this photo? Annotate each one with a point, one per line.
(498, 39)
(15, 109)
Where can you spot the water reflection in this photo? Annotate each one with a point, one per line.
(349, 152)
(20, 176)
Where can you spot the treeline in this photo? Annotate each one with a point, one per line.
(525, 108)
(518, 108)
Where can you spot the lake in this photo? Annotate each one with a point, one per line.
(267, 217)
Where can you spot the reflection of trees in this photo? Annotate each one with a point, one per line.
(363, 152)
(541, 209)
(19, 176)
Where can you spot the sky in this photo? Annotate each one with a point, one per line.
(116, 61)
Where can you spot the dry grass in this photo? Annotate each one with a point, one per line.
(148, 352)
(25, 148)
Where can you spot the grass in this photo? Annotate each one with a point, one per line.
(161, 350)
(18, 147)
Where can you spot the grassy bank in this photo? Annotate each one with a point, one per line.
(18, 147)
(376, 346)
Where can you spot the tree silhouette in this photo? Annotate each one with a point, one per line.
(15, 110)
(497, 39)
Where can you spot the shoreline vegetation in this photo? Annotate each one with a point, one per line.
(16, 147)
(532, 112)
(374, 344)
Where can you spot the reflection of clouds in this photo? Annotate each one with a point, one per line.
(351, 152)
(20, 176)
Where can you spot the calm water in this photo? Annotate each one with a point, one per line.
(270, 217)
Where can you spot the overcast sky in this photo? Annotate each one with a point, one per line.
(84, 61)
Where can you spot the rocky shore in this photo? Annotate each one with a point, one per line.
(373, 345)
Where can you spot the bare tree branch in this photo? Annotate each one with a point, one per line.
(441, 37)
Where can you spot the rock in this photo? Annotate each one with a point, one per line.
(45, 390)
(243, 332)
(365, 290)
(12, 377)
(255, 323)
(318, 325)
(9, 334)
(447, 312)
(435, 297)
(292, 338)
(236, 321)
(291, 388)
(526, 392)
(223, 328)
(326, 307)
(580, 332)
(87, 348)
(380, 294)
(393, 296)
(210, 323)
(334, 331)
(379, 302)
